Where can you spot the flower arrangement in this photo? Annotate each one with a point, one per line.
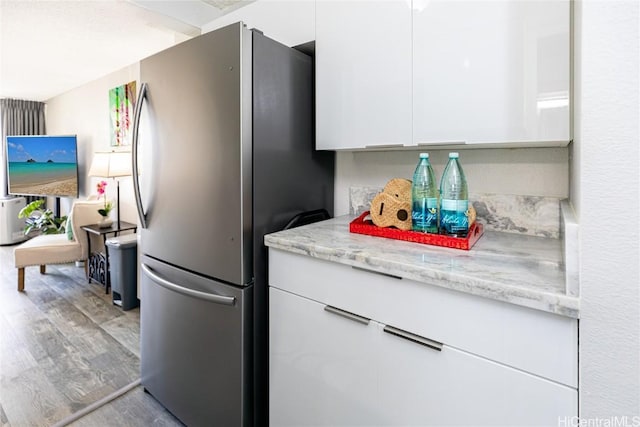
(108, 205)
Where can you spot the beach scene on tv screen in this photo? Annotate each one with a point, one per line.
(43, 166)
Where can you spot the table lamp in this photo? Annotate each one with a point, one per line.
(112, 164)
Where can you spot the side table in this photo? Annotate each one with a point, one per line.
(99, 262)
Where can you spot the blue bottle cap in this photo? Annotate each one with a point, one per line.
(424, 155)
(453, 155)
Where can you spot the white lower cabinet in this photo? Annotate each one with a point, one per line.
(333, 362)
(422, 386)
(322, 367)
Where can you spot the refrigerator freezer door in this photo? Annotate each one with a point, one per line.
(198, 155)
(196, 345)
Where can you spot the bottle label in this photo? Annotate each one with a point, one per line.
(454, 216)
(424, 215)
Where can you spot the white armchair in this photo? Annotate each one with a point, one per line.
(58, 248)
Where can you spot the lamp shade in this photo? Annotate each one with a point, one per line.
(111, 164)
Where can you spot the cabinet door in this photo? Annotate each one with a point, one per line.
(491, 71)
(420, 385)
(363, 73)
(322, 365)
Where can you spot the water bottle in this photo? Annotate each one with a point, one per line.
(454, 199)
(424, 197)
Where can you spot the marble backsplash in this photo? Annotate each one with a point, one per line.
(529, 215)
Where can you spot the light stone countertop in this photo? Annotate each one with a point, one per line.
(522, 270)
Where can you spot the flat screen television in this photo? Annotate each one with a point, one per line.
(42, 165)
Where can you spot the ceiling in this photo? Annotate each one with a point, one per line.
(50, 47)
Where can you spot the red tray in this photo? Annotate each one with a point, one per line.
(362, 226)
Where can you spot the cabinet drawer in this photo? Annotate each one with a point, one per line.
(534, 341)
(541, 343)
(423, 387)
(327, 282)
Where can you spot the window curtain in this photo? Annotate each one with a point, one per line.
(18, 117)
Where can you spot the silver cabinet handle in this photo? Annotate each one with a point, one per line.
(218, 299)
(376, 272)
(450, 142)
(385, 146)
(346, 314)
(413, 337)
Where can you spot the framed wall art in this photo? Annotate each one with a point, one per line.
(122, 101)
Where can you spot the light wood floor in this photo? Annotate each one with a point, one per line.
(63, 346)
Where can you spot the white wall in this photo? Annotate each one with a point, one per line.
(85, 111)
(530, 171)
(605, 193)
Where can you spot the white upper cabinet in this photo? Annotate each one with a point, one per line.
(442, 72)
(491, 71)
(363, 73)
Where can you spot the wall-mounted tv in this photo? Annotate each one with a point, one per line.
(42, 165)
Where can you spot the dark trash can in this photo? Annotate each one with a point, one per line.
(123, 269)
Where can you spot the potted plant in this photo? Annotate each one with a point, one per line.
(44, 222)
(108, 206)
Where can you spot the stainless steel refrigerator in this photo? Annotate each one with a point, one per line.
(223, 153)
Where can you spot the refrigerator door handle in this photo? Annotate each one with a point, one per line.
(218, 299)
(134, 154)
